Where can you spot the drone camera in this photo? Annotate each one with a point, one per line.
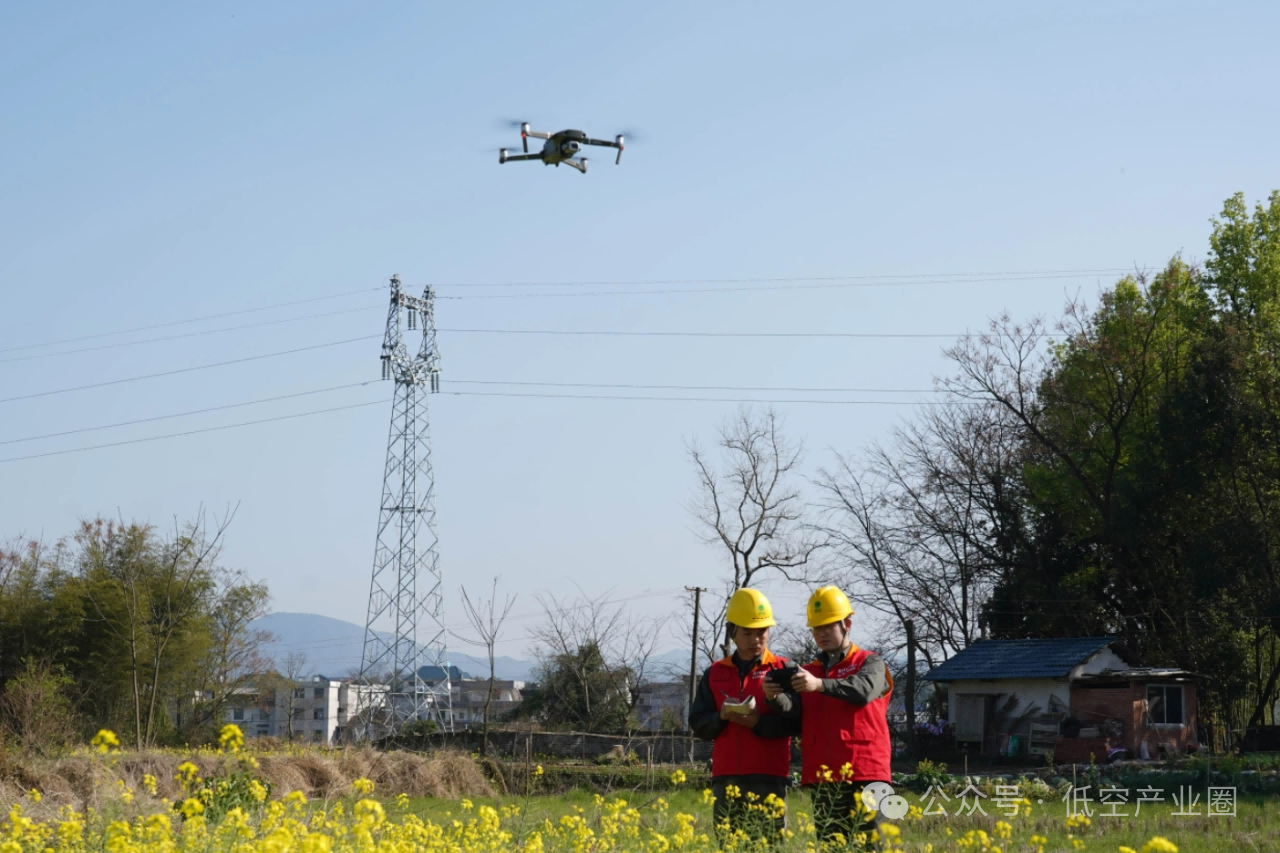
(570, 147)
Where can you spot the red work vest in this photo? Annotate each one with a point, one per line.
(835, 733)
(738, 750)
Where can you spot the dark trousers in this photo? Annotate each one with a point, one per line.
(748, 810)
(834, 807)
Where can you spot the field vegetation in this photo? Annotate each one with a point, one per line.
(312, 800)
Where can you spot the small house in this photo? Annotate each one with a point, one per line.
(1072, 697)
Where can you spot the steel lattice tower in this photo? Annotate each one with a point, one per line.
(405, 630)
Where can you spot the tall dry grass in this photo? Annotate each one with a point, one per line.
(90, 781)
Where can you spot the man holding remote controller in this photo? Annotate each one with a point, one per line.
(752, 742)
(843, 698)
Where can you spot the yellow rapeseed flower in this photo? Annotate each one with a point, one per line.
(105, 741)
(678, 778)
(1159, 845)
(231, 739)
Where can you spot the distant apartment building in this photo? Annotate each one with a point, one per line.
(663, 703)
(467, 695)
(317, 710)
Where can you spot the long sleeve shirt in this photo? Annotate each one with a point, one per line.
(704, 715)
(868, 683)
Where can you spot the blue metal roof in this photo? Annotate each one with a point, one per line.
(988, 660)
(436, 673)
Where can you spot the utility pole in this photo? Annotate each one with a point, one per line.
(404, 640)
(693, 652)
(910, 698)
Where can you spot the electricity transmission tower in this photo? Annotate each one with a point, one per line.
(405, 630)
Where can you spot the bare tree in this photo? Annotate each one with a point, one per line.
(292, 669)
(594, 656)
(233, 659)
(486, 617)
(750, 504)
(920, 530)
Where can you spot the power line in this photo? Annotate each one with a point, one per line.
(466, 394)
(185, 369)
(188, 413)
(871, 281)
(278, 397)
(1010, 275)
(186, 335)
(687, 399)
(699, 387)
(647, 334)
(193, 319)
(195, 431)
(768, 288)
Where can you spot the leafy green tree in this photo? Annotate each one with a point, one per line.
(580, 690)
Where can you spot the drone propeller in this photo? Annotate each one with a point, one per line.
(522, 126)
(622, 139)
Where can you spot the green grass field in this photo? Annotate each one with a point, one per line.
(1256, 826)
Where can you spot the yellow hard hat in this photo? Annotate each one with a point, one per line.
(827, 604)
(748, 608)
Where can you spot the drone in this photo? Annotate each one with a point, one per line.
(560, 147)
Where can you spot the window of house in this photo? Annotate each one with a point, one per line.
(237, 713)
(317, 714)
(300, 693)
(1164, 704)
(318, 692)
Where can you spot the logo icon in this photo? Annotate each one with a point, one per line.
(817, 605)
(880, 796)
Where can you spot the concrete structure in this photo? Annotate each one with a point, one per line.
(661, 701)
(1074, 697)
(469, 695)
(317, 710)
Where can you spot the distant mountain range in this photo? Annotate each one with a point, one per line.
(334, 648)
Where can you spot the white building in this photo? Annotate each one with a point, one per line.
(317, 710)
(468, 696)
(661, 702)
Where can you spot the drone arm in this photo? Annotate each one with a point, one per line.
(507, 158)
(538, 134)
(617, 143)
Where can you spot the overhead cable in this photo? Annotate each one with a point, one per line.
(194, 319)
(185, 335)
(1011, 275)
(184, 369)
(187, 413)
(197, 431)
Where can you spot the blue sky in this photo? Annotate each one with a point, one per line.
(164, 162)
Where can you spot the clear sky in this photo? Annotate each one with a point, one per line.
(163, 162)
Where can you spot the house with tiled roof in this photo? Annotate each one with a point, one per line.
(1070, 696)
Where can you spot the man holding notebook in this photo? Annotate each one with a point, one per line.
(751, 756)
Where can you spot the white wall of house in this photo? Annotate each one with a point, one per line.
(1030, 691)
(1102, 660)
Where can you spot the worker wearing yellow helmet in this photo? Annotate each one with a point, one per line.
(751, 741)
(843, 697)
